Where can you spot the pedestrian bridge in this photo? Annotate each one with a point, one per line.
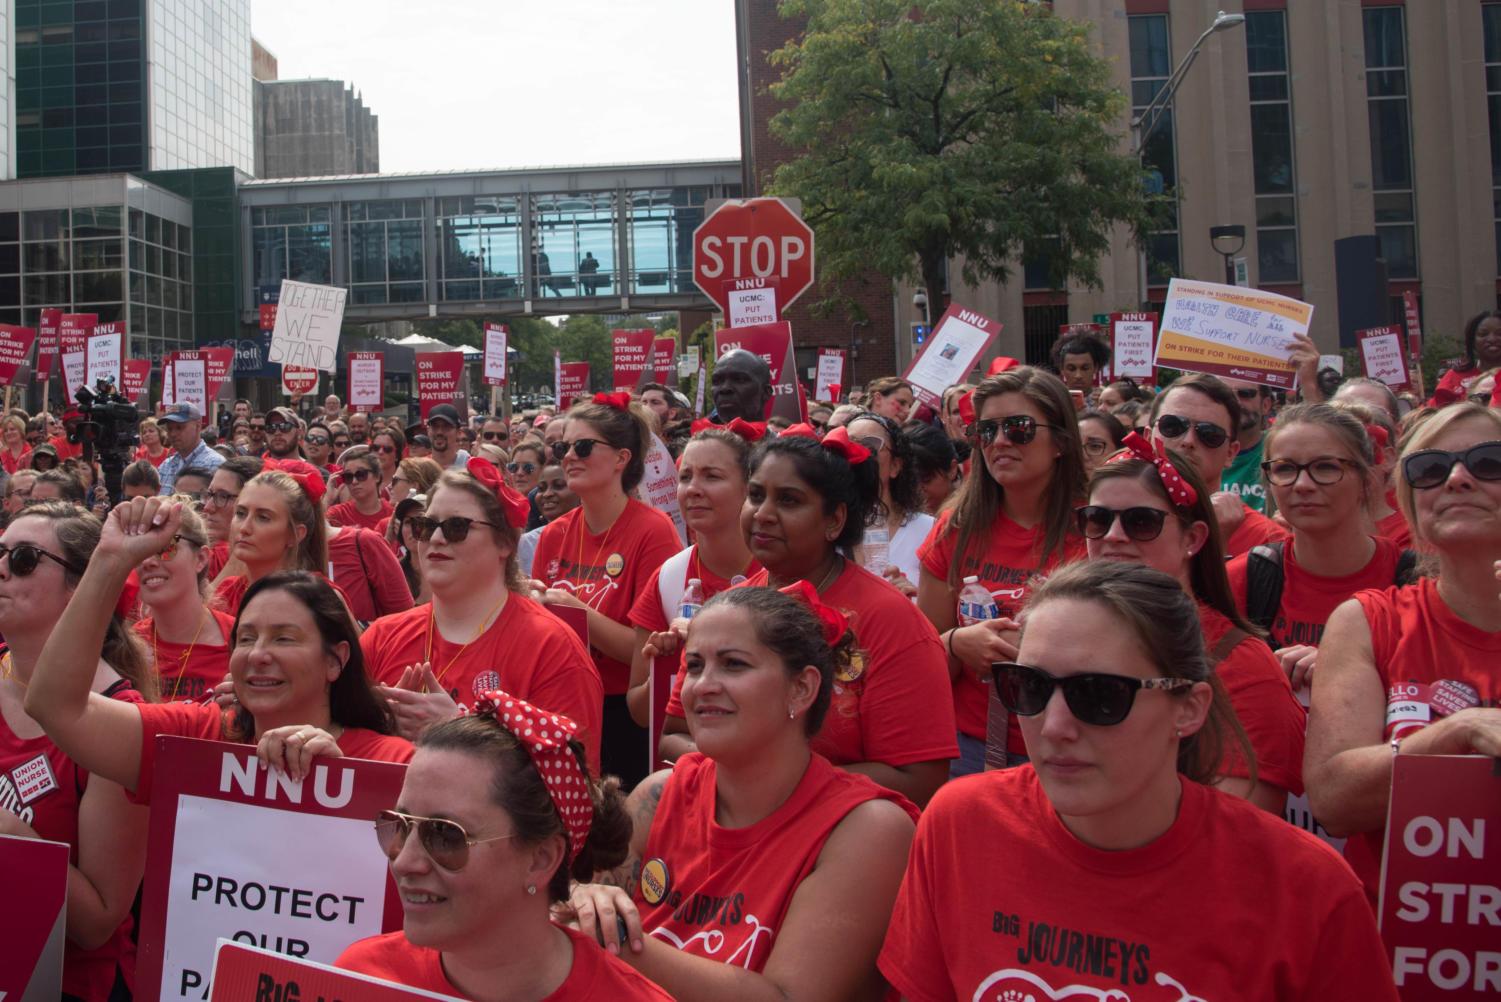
(552, 240)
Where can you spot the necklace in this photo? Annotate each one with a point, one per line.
(7, 671)
(833, 573)
(182, 666)
(432, 629)
(604, 542)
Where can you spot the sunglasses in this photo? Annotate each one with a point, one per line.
(445, 842)
(257, 427)
(1141, 524)
(1431, 467)
(455, 527)
(171, 549)
(495, 436)
(341, 443)
(527, 468)
(383, 448)
(359, 476)
(280, 427)
(1095, 698)
(316, 440)
(1248, 392)
(1019, 429)
(1324, 472)
(581, 447)
(1210, 434)
(24, 558)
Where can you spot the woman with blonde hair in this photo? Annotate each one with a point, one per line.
(15, 454)
(152, 447)
(187, 638)
(277, 526)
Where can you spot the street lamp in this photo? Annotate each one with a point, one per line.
(1227, 242)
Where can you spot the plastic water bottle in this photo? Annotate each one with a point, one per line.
(876, 550)
(693, 599)
(976, 604)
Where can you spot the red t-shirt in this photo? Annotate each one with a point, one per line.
(188, 672)
(1264, 702)
(12, 462)
(362, 564)
(733, 886)
(66, 449)
(595, 976)
(346, 513)
(1010, 563)
(158, 460)
(527, 652)
(1229, 903)
(1432, 664)
(208, 721)
(44, 788)
(606, 570)
(1254, 529)
(1308, 599)
(1395, 528)
(218, 556)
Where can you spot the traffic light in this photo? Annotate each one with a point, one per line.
(920, 333)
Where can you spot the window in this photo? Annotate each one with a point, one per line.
(1391, 139)
(1273, 167)
(1151, 65)
(1491, 22)
(1040, 326)
(479, 244)
(385, 251)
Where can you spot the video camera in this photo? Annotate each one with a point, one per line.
(107, 431)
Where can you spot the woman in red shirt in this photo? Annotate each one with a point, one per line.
(188, 640)
(1125, 876)
(277, 525)
(390, 447)
(44, 793)
(490, 815)
(1146, 508)
(757, 869)
(599, 556)
(1414, 670)
(1011, 523)
(1482, 339)
(15, 454)
(361, 474)
(151, 448)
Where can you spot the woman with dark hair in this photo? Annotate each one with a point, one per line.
(899, 525)
(757, 870)
(935, 460)
(502, 805)
(553, 499)
(390, 446)
(1127, 868)
(1100, 435)
(1012, 522)
(218, 506)
(1482, 339)
(806, 506)
(599, 556)
(43, 553)
(360, 471)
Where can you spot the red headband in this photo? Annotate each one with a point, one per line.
(517, 508)
(800, 430)
(305, 475)
(545, 737)
(1379, 441)
(751, 431)
(833, 622)
(1178, 490)
(838, 441)
(967, 408)
(619, 401)
(1001, 364)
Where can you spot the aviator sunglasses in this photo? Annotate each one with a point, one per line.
(1141, 524)
(1019, 429)
(445, 842)
(1096, 698)
(24, 558)
(1431, 467)
(1212, 435)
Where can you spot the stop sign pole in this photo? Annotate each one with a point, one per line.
(753, 238)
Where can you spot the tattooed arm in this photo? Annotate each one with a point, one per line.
(642, 805)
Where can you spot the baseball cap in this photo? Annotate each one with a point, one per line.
(285, 413)
(444, 412)
(180, 413)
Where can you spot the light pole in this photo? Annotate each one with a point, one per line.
(1227, 242)
(1146, 123)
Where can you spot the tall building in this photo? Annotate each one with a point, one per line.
(7, 91)
(313, 128)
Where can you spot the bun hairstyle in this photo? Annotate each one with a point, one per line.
(489, 505)
(906, 494)
(517, 788)
(836, 479)
(629, 429)
(1164, 622)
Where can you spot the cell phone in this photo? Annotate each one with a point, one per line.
(1078, 396)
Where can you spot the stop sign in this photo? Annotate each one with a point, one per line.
(749, 239)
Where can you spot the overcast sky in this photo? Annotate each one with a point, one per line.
(463, 84)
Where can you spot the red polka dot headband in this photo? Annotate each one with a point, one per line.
(1178, 490)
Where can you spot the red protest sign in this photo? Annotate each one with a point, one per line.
(950, 352)
(773, 343)
(32, 924)
(440, 377)
(664, 358)
(135, 375)
(1440, 905)
(73, 332)
(1133, 338)
(1381, 356)
(245, 972)
(268, 317)
(238, 851)
(631, 358)
(15, 348)
(749, 239)
(573, 383)
(367, 371)
(219, 364)
(47, 346)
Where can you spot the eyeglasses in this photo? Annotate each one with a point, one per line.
(445, 842)
(495, 436)
(1207, 432)
(359, 476)
(1141, 523)
(1019, 429)
(316, 439)
(383, 448)
(1095, 698)
(1324, 472)
(24, 558)
(582, 447)
(1431, 467)
(218, 499)
(455, 527)
(527, 468)
(257, 427)
(1248, 392)
(1094, 448)
(280, 427)
(341, 443)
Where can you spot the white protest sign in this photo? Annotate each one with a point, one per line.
(104, 355)
(74, 370)
(1228, 331)
(1381, 356)
(307, 326)
(950, 352)
(1335, 362)
(751, 301)
(830, 376)
(496, 337)
(659, 485)
(366, 375)
(1133, 337)
(190, 383)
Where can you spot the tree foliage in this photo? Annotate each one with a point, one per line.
(938, 130)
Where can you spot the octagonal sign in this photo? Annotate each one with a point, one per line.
(753, 238)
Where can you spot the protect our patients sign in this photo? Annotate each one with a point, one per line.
(307, 326)
(240, 852)
(950, 352)
(245, 972)
(1225, 330)
(1441, 878)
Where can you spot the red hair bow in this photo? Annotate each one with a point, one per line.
(545, 737)
(751, 431)
(967, 408)
(619, 401)
(306, 476)
(1178, 490)
(517, 508)
(1379, 441)
(1001, 364)
(833, 622)
(800, 430)
(838, 441)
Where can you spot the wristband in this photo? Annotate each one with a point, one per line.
(1396, 745)
(951, 643)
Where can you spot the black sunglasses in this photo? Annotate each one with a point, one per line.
(495, 436)
(359, 476)
(316, 440)
(582, 447)
(455, 527)
(1431, 467)
(24, 558)
(1142, 524)
(527, 468)
(1207, 432)
(279, 427)
(1019, 429)
(445, 842)
(1095, 698)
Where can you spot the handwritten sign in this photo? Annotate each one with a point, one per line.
(439, 378)
(103, 354)
(1381, 356)
(73, 332)
(830, 375)
(307, 326)
(245, 972)
(47, 342)
(664, 352)
(213, 869)
(1440, 900)
(1228, 331)
(496, 338)
(33, 923)
(366, 380)
(950, 352)
(631, 358)
(773, 343)
(1133, 342)
(15, 348)
(573, 383)
(751, 301)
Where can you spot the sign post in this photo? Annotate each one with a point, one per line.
(756, 239)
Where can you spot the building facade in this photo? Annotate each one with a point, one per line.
(313, 128)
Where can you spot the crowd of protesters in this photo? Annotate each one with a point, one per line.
(1003, 697)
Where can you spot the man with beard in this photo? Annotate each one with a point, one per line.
(359, 428)
(283, 434)
(741, 387)
(257, 434)
(1243, 476)
(443, 429)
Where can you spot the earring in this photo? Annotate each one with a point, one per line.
(791, 714)
(1179, 733)
(531, 888)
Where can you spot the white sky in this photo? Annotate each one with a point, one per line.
(463, 84)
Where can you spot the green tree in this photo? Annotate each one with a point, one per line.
(585, 338)
(936, 130)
